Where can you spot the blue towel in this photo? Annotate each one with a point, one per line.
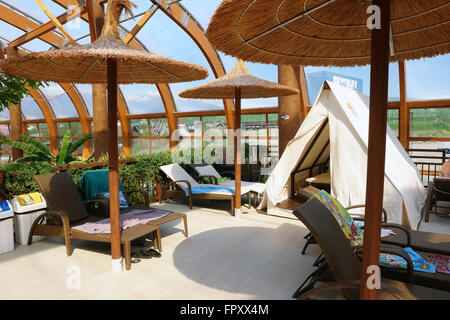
(420, 264)
(203, 189)
(123, 204)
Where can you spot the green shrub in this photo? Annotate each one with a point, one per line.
(144, 172)
(20, 181)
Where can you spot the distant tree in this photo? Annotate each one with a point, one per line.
(13, 89)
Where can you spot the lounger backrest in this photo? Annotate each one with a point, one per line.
(442, 188)
(337, 250)
(61, 194)
(176, 173)
(207, 170)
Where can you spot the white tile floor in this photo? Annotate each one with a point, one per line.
(254, 257)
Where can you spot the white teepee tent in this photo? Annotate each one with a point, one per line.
(335, 132)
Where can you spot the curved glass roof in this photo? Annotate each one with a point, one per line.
(426, 79)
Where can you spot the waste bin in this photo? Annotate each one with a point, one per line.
(6, 227)
(25, 215)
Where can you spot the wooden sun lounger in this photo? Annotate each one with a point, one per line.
(345, 265)
(177, 187)
(67, 210)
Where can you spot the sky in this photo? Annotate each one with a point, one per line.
(426, 78)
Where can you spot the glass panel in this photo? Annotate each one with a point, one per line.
(4, 129)
(76, 129)
(30, 109)
(36, 45)
(187, 126)
(140, 146)
(140, 128)
(428, 78)
(393, 121)
(59, 101)
(356, 78)
(43, 130)
(273, 125)
(159, 127)
(254, 125)
(214, 126)
(4, 115)
(9, 32)
(430, 122)
(62, 128)
(160, 145)
(85, 91)
(142, 98)
(32, 130)
(119, 128)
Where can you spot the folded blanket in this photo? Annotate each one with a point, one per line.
(204, 189)
(127, 220)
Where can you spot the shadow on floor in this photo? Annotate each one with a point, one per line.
(262, 262)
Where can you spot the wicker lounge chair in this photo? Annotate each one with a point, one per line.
(418, 240)
(344, 263)
(438, 197)
(182, 181)
(67, 210)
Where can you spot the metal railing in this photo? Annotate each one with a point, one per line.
(429, 162)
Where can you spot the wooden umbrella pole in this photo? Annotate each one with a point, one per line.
(379, 77)
(237, 152)
(113, 153)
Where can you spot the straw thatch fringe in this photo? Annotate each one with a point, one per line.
(280, 32)
(251, 87)
(87, 63)
(113, 12)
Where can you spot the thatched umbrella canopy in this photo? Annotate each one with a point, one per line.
(340, 33)
(88, 63)
(238, 84)
(326, 32)
(107, 60)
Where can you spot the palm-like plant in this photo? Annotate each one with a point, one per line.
(36, 151)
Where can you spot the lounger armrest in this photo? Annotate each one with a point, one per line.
(56, 214)
(397, 251)
(144, 193)
(395, 293)
(399, 227)
(175, 183)
(228, 173)
(212, 178)
(363, 206)
(400, 252)
(440, 191)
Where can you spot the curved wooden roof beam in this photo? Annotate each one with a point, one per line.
(49, 119)
(51, 38)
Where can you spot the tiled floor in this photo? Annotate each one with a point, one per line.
(254, 257)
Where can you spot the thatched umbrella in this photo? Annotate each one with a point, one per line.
(238, 84)
(340, 33)
(107, 60)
